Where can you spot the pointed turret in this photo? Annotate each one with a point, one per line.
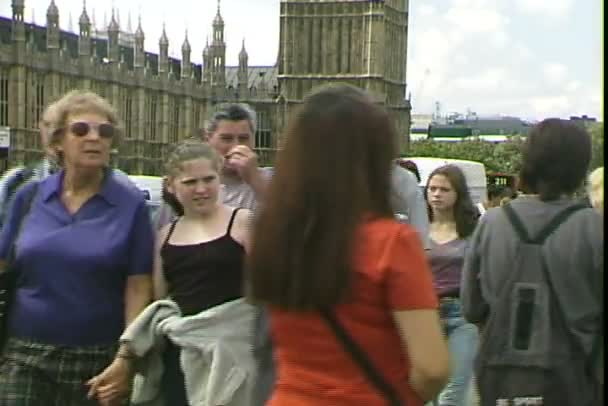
(139, 32)
(18, 31)
(163, 60)
(186, 65)
(206, 74)
(186, 45)
(139, 57)
(218, 26)
(52, 11)
(113, 47)
(243, 54)
(52, 26)
(84, 20)
(84, 38)
(218, 51)
(243, 73)
(113, 26)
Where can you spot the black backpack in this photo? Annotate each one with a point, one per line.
(19, 179)
(527, 353)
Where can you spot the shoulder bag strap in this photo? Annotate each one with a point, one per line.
(361, 359)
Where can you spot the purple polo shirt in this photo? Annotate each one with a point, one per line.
(74, 267)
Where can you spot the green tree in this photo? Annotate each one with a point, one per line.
(497, 157)
(596, 131)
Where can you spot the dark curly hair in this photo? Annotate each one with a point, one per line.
(556, 159)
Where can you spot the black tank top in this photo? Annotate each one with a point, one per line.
(200, 276)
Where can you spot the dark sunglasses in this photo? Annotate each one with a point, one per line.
(82, 128)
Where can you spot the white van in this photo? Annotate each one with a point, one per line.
(474, 172)
(151, 187)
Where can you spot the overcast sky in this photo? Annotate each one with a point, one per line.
(528, 58)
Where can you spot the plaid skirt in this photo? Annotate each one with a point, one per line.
(36, 374)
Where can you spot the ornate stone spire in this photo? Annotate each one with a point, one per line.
(218, 20)
(84, 18)
(52, 11)
(186, 45)
(139, 33)
(113, 23)
(163, 38)
(243, 53)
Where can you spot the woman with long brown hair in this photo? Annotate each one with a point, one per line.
(453, 219)
(328, 258)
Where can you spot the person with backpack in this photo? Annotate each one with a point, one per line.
(533, 280)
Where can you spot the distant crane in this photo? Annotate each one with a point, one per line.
(420, 88)
(437, 112)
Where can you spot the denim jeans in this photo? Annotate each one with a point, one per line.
(463, 339)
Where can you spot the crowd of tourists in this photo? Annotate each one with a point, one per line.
(330, 279)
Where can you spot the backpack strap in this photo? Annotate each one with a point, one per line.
(516, 222)
(557, 221)
(21, 215)
(546, 231)
(19, 179)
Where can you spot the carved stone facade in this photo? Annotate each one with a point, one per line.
(363, 43)
(163, 99)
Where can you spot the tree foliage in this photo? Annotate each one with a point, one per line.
(597, 145)
(502, 157)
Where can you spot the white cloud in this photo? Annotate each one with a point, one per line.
(545, 8)
(426, 10)
(573, 86)
(555, 73)
(490, 79)
(545, 106)
(476, 20)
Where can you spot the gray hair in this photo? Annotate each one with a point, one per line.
(231, 112)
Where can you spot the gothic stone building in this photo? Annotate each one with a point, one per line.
(163, 99)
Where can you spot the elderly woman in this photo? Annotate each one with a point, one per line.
(84, 256)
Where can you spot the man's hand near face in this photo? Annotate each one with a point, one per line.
(243, 161)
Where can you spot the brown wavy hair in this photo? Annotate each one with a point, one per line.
(333, 172)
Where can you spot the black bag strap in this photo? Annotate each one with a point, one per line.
(557, 221)
(546, 231)
(361, 359)
(23, 211)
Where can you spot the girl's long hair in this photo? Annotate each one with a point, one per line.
(333, 172)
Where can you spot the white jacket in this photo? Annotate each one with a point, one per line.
(216, 352)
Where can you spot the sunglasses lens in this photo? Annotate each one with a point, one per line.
(106, 130)
(80, 129)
